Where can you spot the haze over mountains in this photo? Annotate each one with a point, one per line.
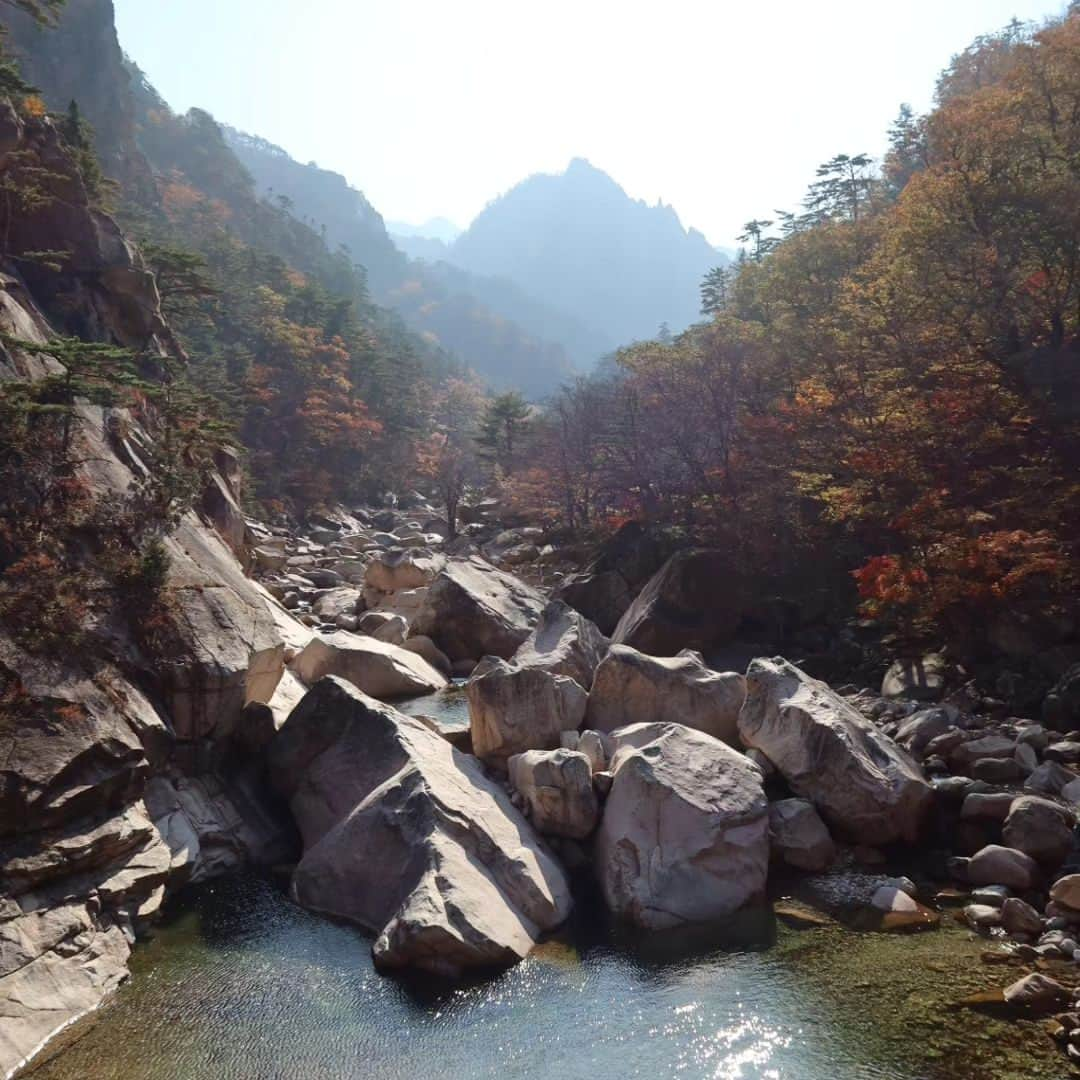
(552, 276)
(562, 268)
(577, 241)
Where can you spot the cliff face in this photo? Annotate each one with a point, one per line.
(118, 780)
(81, 60)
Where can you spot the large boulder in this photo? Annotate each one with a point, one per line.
(413, 568)
(633, 688)
(601, 597)
(514, 709)
(376, 667)
(471, 609)
(407, 837)
(691, 602)
(69, 965)
(563, 642)
(998, 865)
(685, 832)
(557, 788)
(1039, 828)
(77, 746)
(861, 782)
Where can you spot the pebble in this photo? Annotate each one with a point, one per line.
(982, 916)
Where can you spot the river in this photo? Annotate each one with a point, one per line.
(240, 984)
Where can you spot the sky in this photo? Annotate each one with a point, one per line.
(435, 107)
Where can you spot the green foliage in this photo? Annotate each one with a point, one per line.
(714, 290)
(69, 555)
(78, 137)
(502, 429)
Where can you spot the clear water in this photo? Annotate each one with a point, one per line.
(449, 707)
(239, 984)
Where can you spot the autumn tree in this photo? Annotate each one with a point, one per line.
(448, 459)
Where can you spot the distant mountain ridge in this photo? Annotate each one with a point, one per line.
(577, 242)
(495, 328)
(436, 228)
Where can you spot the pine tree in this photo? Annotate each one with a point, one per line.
(502, 427)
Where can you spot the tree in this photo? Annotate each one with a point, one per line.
(844, 184)
(754, 233)
(907, 150)
(182, 278)
(714, 290)
(447, 458)
(502, 428)
(79, 138)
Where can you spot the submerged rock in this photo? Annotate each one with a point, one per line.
(685, 832)
(861, 782)
(407, 837)
(1037, 994)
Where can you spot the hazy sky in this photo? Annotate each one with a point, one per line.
(433, 107)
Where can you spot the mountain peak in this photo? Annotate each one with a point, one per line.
(579, 243)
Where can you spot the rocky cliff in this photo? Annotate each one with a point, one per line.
(116, 782)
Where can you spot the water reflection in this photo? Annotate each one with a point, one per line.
(240, 984)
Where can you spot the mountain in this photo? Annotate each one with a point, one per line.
(447, 306)
(430, 241)
(577, 242)
(427, 248)
(436, 228)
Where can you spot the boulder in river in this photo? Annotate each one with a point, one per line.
(633, 688)
(557, 787)
(863, 784)
(390, 571)
(922, 679)
(684, 836)
(563, 642)
(514, 709)
(471, 609)
(406, 836)
(382, 670)
(998, 865)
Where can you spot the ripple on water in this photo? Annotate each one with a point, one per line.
(450, 706)
(240, 984)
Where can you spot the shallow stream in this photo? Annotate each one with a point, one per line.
(240, 984)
